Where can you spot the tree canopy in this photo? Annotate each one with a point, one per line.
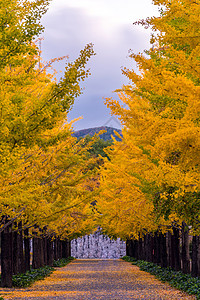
(44, 172)
(152, 179)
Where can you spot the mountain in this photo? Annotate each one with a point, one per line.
(105, 136)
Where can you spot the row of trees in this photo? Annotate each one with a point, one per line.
(150, 184)
(20, 251)
(46, 175)
(175, 249)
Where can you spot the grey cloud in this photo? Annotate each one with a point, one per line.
(67, 32)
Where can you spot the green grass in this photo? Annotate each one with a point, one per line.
(184, 282)
(26, 279)
(62, 262)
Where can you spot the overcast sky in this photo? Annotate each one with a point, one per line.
(108, 24)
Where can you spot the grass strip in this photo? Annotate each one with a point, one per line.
(177, 279)
(26, 279)
(62, 262)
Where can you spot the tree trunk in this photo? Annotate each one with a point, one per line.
(27, 250)
(135, 244)
(169, 250)
(146, 248)
(41, 246)
(50, 252)
(128, 248)
(38, 260)
(55, 248)
(15, 252)
(18, 251)
(198, 256)
(7, 257)
(59, 249)
(163, 251)
(65, 250)
(140, 250)
(157, 248)
(45, 250)
(69, 248)
(195, 245)
(185, 249)
(176, 249)
(151, 245)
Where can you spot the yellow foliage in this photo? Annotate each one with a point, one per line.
(153, 178)
(44, 171)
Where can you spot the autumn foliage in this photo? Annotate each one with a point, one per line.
(45, 173)
(148, 182)
(151, 181)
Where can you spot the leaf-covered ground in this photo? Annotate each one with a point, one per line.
(97, 279)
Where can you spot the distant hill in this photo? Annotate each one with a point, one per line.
(105, 136)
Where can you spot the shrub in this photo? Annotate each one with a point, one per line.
(184, 282)
(26, 279)
(62, 262)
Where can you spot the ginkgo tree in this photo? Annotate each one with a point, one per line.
(34, 109)
(152, 179)
(45, 172)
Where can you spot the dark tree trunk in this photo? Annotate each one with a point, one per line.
(177, 259)
(185, 249)
(18, 251)
(198, 256)
(59, 249)
(15, 252)
(55, 249)
(136, 248)
(50, 252)
(140, 249)
(69, 249)
(169, 259)
(37, 254)
(41, 246)
(21, 251)
(195, 244)
(151, 246)
(175, 250)
(7, 257)
(128, 247)
(145, 247)
(157, 259)
(45, 250)
(163, 251)
(65, 249)
(27, 250)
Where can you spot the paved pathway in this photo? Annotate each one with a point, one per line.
(97, 279)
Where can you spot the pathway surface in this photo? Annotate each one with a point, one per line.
(97, 279)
